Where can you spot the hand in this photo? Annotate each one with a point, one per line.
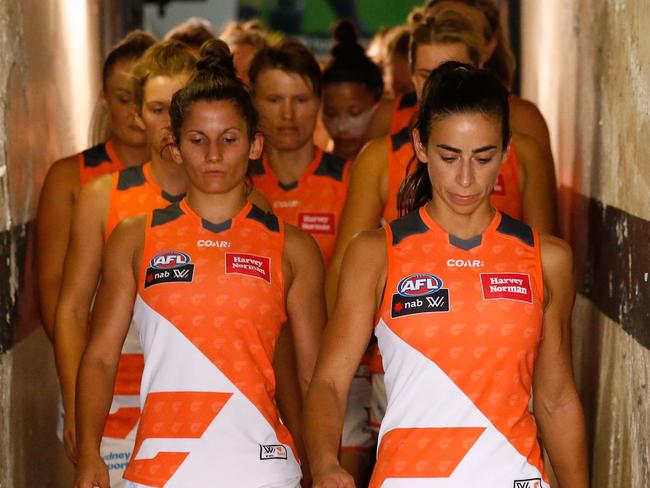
(333, 476)
(91, 471)
(69, 438)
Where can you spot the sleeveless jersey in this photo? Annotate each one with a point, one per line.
(404, 110)
(506, 195)
(314, 203)
(134, 192)
(97, 161)
(459, 328)
(209, 309)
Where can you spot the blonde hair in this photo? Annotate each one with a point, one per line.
(167, 58)
(449, 27)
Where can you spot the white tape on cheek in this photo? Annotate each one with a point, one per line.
(353, 126)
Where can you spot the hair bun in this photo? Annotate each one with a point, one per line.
(344, 32)
(215, 57)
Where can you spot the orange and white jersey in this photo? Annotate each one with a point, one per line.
(133, 192)
(314, 203)
(506, 195)
(458, 329)
(209, 309)
(403, 113)
(97, 161)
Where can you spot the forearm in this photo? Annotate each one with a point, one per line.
(324, 411)
(562, 429)
(48, 291)
(93, 402)
(70, 342)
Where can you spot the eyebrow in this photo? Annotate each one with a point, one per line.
(474, 151)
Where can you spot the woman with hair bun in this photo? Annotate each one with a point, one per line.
(471, 309)
(210, 281)
(352, 87)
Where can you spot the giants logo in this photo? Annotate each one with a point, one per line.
(418, 285)
(529, 483)
(508, 286)
(178, 415)
(317, 223)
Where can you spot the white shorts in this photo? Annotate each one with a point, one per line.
(116, 453)
(378, 401)
(356, 434)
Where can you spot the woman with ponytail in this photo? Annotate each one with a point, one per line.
(352, 87)
(209, 281)
(471, 309)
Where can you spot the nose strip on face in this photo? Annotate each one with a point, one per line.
(351, 125)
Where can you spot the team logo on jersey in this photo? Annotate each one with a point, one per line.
(499, 186)
(273, 451)
(529, 483)
(249, 265)
(317, 223)
(418, 285)
(419, 293)
(169, 260)
(507, 286)
(169, 267)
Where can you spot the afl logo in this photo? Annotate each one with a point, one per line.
(169, 260)
(419, 284)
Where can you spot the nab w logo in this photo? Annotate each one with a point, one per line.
(273, 451)
(529, 483)
(181, 273)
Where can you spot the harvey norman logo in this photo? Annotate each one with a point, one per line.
(507, 286)
(529, 483)
(249, 265)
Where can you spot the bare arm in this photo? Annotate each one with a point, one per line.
(344, 342)
(305, 300)
(539, 193)
(379, 125)
(52, 230)
(555, 400)
(110, 324)
(526, 118)
(80, 277)
(363, 207)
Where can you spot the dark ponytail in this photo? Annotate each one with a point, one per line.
(349, 62)
(214, 79)
(452, 88)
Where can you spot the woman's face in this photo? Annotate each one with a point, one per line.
(397, 76)
(214, 146)
(463, 154)
(120, 103)
(288, 108)
(347, 109)
(429, 56)
(154, 117)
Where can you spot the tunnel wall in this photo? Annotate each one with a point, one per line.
(587, 64)
(49, 80)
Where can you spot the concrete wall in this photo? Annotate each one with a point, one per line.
(49, 80)
(587, 64)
